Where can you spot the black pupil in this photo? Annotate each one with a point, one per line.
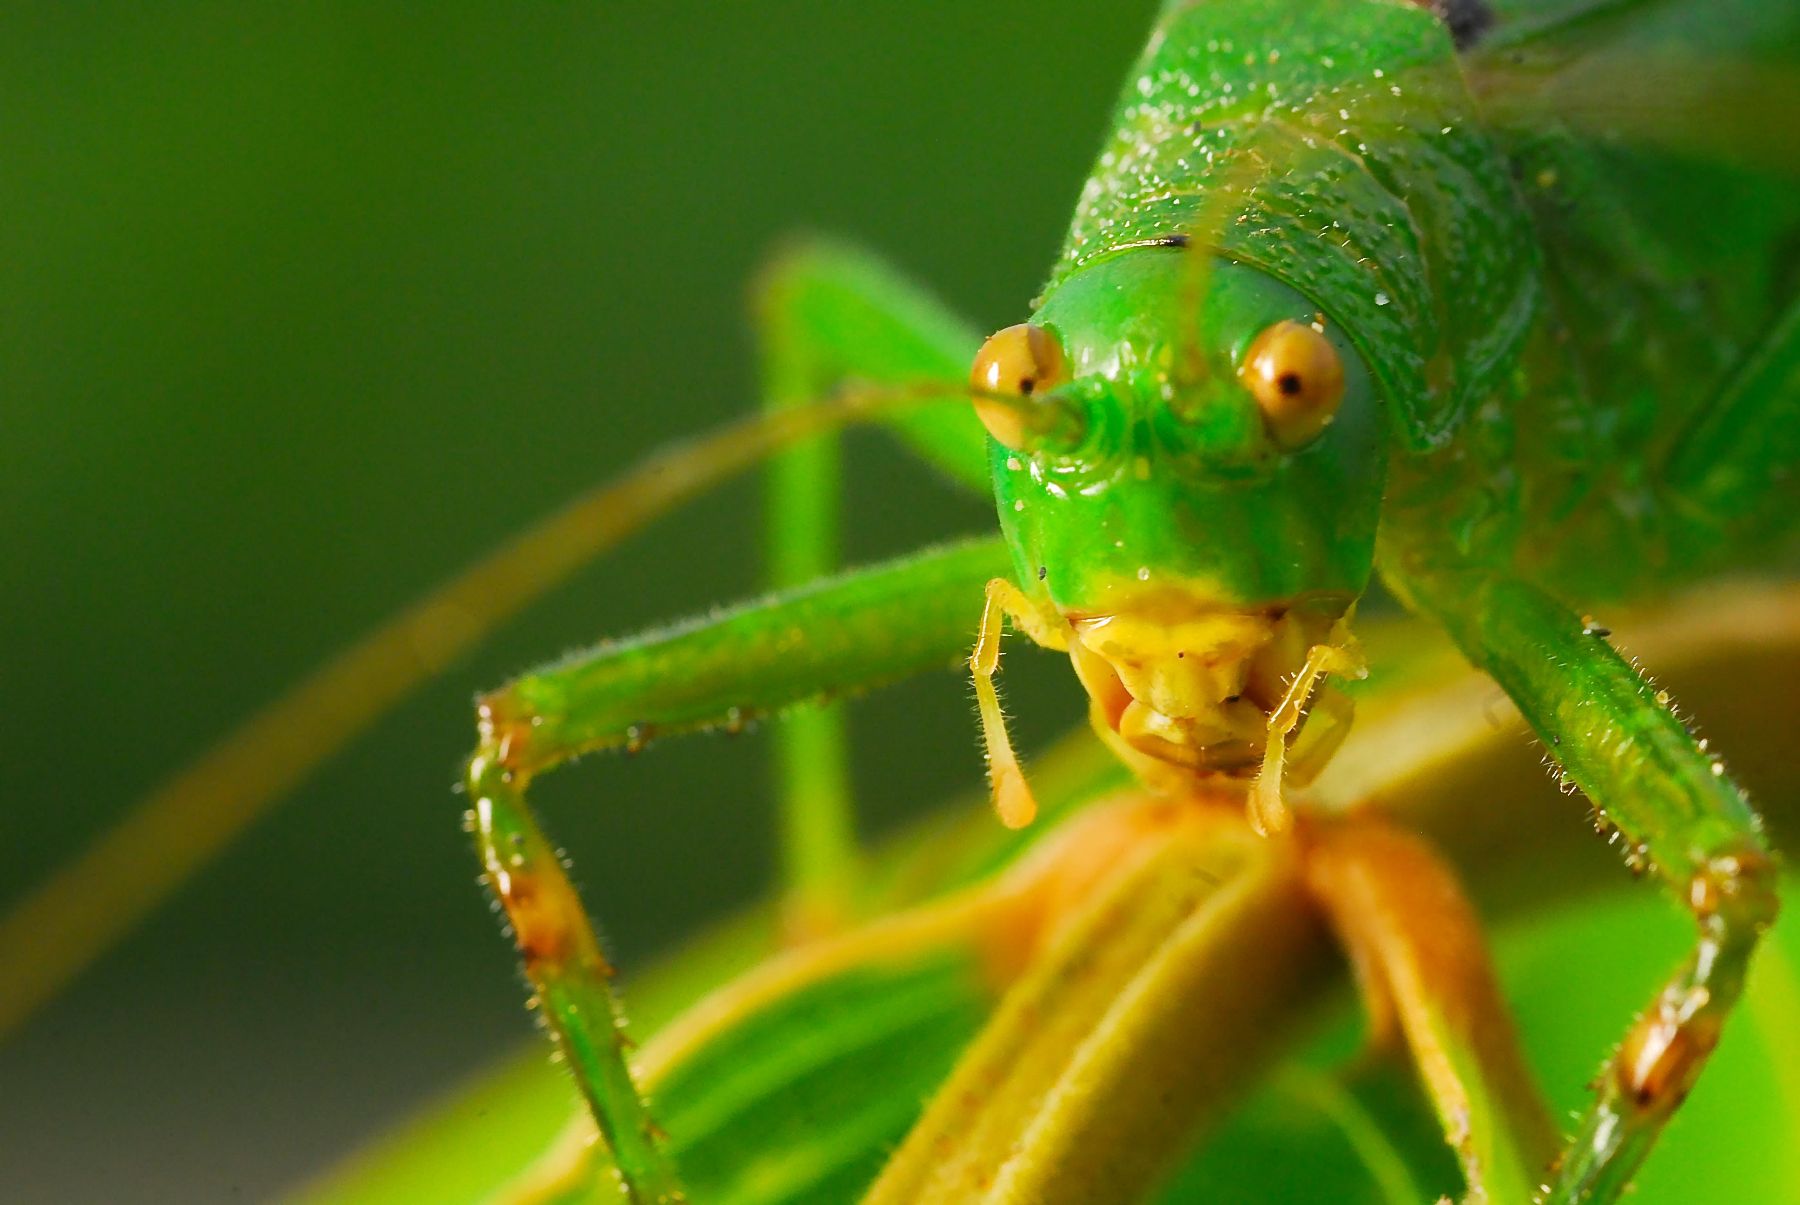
(1027, 384)
(1288, 383)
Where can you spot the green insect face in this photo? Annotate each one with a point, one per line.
(1188, 461)
(1220, 439)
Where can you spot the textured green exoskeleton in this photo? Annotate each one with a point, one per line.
(1561, 369)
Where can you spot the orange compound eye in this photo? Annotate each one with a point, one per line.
(1019, 361)
(1297, 379)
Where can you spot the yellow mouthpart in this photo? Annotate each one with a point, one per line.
(1190, 690)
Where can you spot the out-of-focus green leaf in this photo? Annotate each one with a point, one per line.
(799, 1102)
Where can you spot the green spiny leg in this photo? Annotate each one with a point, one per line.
(1616, 737)
(828, 315)
(847, 632)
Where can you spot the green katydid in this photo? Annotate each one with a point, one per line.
(1270, 332)
(1425, 358)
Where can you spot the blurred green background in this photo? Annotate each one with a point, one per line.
(303, 307)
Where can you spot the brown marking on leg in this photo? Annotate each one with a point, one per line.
(549, 925)
(570, 978)
(1734, 900)
(1731, 892)
(547, 922)
(1661, 1056)
(1736, 890)
(505, 733)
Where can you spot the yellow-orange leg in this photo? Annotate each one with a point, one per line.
(1423, 970)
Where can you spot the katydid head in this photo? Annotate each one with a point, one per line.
(1189, 471)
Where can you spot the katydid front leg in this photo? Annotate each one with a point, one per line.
(830, 316)
(1615, 736)
(828, 638)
